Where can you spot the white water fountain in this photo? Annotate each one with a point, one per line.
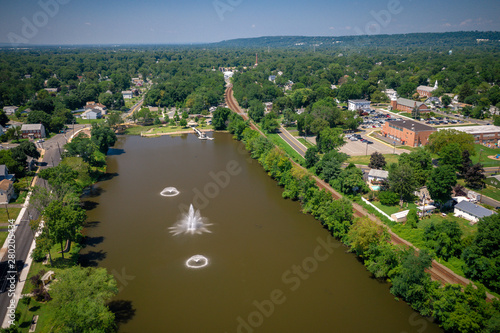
(197, 261)
(169, 192)
(191, 223)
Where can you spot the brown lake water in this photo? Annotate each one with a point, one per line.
(270, 267)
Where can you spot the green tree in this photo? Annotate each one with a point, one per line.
(103, 137)
(415, 112)
(439, 139)
(79, 300)
(29, 149)
(183, 122)
(401, 181)
(413, 284)
(311, 157)
(362, 234)
(329, 167)
(330, 139)
(420, 162)
(350, 181)
(446, 100)
(412, 218)
(440, 183)
(377, 161)
(113, 119)
(451, 155)
(444, 238)
(219, 118)
(466, 163)
(256, 111)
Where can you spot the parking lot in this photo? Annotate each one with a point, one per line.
(358, 148)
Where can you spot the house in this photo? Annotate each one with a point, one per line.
(92, 114)
(482, 134)
(98, 106)
(471, 211)
(51, 90)
(407, 132)
(127, 94)
(268, 106)
(407, 105)
(493, 181)
(424, 197)
(425, 91)
(358, 104)
(10, 110)
(33, 131)
(400, 216)
(376, 177)
(4, 173)
(228, 75)
(426, 210)
(432, 101)
(272, 78)
(6, 190)
(391, 93)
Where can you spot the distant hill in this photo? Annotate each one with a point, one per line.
(413, 40)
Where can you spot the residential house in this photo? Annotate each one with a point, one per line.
(98, 106)
(33, 131)
(228, 75)
(6, 190)
(407, 105)
(426, 210)
(268, 106)
(127, 94)
(391, 93)
(471, 211)
(272, 78)
(51, 90)
(4, 173)
(358, 104)
(432, 101)
(407, 132)
(377, 177)
(426, 91)
(92, 114)
(10, 110)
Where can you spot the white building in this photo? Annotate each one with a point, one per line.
(471, 212)
(375, 176)
(92, 114)
(127, 94)
(10, 110)
(358, 104)
(228, 75)
(392, 94)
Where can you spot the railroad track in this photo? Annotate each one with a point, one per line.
(438, 272)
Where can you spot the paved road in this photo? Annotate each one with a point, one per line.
(293, 142)
(24, 234)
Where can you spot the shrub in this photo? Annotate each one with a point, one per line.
(388, 198)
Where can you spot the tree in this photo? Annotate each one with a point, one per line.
(183, 122)
(256, 111)
(79, 299)
(474, 176)
(420, 162)
(377, 161)
(113, 119)
(440, 183)
(439, 139)
(413, 284)
(412, 218)
(466, 163)
(311, 157)
(219, 118)
(451, 155)
(3, 118)
(329, 167)
(29, 149)
(401, 181)
(330, 139)
(350, 181)
(446, 100)
(415, 112)
(270, 123)
(362, 234)
(103, 137)
(482, 261)
(444, 238)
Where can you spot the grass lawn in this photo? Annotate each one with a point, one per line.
(3, 236)
(483, 156)
(492, 192)
(365, 160)
(89, 121)
(305, 142)
(13, 212)
(277, 140)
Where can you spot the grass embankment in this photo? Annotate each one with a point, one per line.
(277, 140)
(26, 311)
(13, 213)
(365, 159)
(160, 129)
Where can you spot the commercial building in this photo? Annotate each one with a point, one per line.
(358, 104)
(407, 132)
(482, 134)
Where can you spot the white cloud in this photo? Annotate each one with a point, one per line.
(466, 22)
(88, 23)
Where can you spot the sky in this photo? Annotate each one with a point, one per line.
(201, 21)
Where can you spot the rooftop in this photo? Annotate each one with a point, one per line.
(359, 101)
(411, 125)
(31, 127)
(5, 184)
(473, 209)
(409, 102)
(378, 173)
(476, 129)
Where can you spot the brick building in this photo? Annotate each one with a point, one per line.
(426, 91)
(407, 132)
(33, 131)
(407, 105)
(482, 134)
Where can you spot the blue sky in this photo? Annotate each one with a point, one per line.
(194, 21)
